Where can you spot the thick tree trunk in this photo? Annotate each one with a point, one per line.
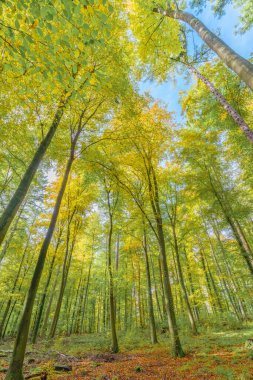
(23, 187)
(16, 364)
(242, 67)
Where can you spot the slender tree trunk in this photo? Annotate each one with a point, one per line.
(23, 187)
(162, 287)
(235, 285)
(226, 289)
(11, 234)
(176, 347)
(149, 292)
(209, 283)
(65, 271)
(235, 226)
(14, 287)
(85, 298)
(47, 314)
(42, 302)
(248, 132)
(182, 284)
(156, 292)
(16, 364)
(192, 287)
(115, 346)
(242, 67)
(76, 309)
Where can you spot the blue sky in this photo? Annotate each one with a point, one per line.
(226, 27)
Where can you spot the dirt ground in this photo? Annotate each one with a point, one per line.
(140, 365)
(158, 365)
(230, 363)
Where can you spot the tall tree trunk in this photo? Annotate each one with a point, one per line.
(16, 364)
(248, 132)
(6, 311)
(224, 283)
(209, 282)
(149, 292)
(115, 346)
(65, 271)
(242, 67)
(43, 299)
(48, 310)
(156, 292)
(11, 234)
(85, 298)
(235, 226)
(176, 347)
(23, 187)
(192, 286)
(235, 285)
(182, 283)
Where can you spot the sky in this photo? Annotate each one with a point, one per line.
(226, 27)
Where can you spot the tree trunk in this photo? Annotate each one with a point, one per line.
(16, 364)
(85, 298)
(192, 286)
(235, 285)
(11, 234)
(115, 346)
(45, 322)
(225, 104)
(23, 187)
(235, 226)
(176, 347)
(14, 287)
(182, 284)
(242, 67)
(149, 292)
(65, 271)
(42, 302)
(156, 292)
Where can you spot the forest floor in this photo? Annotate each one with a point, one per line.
(210, 355)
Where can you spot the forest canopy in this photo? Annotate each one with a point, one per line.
(119, 215)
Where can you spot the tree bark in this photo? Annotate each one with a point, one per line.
(6, 311)
(182, 283)
(65, 271)
(153, 334)
(234, 224)
(23, 187)
(176, 347)
(242, 67)
(16, 364)
(42, 302)
(115, 346)
(247, 131)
